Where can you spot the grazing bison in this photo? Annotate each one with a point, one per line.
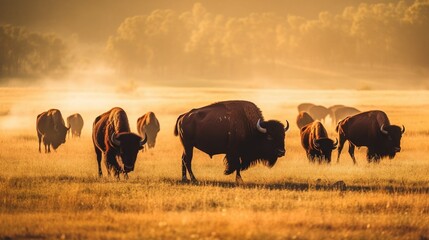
(303, 119)
(75, 124)
(344, 112)
(51, 129)
(236, 128)
(331, 113)
(304, 107)
(148, 125)
(112, 138)
(316, 142)
(318, 112)
(371, 129)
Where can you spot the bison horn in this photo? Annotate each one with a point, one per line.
(115, 141)
(336, 142)
(403, 129)
(142, 142)
(287, 126)
(382, 129)
(261, 129)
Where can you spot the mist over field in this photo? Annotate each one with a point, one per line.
(333, 45)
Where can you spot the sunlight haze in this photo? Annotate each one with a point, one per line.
(363, 45)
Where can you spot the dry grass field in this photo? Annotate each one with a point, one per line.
(59, 195)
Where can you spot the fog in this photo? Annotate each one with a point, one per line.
(364, 45)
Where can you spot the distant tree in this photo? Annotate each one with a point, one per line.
(29, 54)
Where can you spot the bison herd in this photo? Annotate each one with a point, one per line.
(234, 128)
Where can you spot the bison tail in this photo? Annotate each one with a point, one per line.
(176, 131)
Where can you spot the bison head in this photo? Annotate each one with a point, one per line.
(272, 140)
(60, 136)
(325, 147)
(152, 132)
(128, 145)
(392, 135)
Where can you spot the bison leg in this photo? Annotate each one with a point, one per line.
(40, 141)
(98, 153)
(184, 178)
(187, 161)
(340, 146)
(310, 158)
(377, 158)
(352, 152)
(372, 157)
(232, 163)
(238, 178)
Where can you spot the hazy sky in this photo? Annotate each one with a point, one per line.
(95, 20)
(328, 44)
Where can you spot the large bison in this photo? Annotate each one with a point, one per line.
(75, 124)
(148, 125)
(112, 138)
(235, 128)
(317, 144)
(51, 129)
(371, 129)
(303, 119)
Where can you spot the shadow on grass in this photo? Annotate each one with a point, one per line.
(317, 185)
(306, 186)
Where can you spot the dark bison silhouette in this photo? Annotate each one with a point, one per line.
(51, 129)
(316, 143)
(75, 124)
(371, 129)
(235, 128)
(112, 138)
(148, 125)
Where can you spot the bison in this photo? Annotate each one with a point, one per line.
(303, 119)
(318, 112)
(234, 128)
(75, 124)
(51, 129)
(371, 129)
(112, 138)
(331, 113)
(344, 112)
(317, 144)
(304, 107)
(148, 125)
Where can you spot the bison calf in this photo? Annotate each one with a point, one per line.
(316, 142)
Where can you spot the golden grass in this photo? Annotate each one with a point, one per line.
(59, 195)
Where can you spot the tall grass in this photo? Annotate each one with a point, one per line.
(59, 195)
